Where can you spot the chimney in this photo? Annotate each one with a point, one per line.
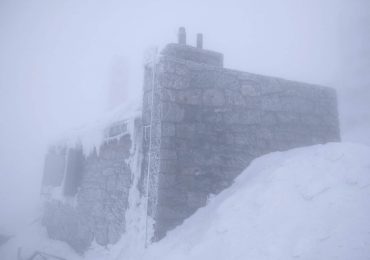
(182, 36)
(200, 41)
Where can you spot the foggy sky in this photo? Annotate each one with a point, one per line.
(58, 62)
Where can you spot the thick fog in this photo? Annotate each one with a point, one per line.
(64, 63)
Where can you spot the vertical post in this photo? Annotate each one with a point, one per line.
(200, 41)
(150, 149)
(182, 36)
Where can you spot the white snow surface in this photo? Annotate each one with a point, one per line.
(306, 203)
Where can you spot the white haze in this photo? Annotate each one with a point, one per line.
(64, 63)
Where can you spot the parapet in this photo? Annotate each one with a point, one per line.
(197, 54)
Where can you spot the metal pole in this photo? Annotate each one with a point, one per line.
(153, 61)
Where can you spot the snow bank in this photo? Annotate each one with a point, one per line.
(306, 203)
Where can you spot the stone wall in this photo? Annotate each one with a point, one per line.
(215, 121)
(87, 196)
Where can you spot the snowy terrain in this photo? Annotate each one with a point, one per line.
(306, 203)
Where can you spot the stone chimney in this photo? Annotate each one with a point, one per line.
(182, 36)
(200, 41)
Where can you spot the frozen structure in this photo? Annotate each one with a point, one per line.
(200, 125)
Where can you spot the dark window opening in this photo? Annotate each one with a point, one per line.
(74, 171)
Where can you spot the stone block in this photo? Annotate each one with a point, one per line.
(253, 103)
(189, 96)
(168, 142)
(250, 88)
(231, 117)
(169, 95)
(203, 79)
(233, 98)
(171, 112)
(172, 81)
(210, 115)
(250, 117)
(196, 200)
(168, 166)
(288, 117)
(271, 103)
(268, 118)
(186, 131)
(168, 154)
(213, 97)
(226, 80)
(168, 129)
(192, 114)
(270, 86)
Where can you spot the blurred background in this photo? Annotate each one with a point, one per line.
(64, 63)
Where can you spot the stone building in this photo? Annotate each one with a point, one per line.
(200, 125)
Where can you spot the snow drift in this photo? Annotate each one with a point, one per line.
(306, 203)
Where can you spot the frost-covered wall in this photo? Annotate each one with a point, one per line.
(213, 122)
(86, 196)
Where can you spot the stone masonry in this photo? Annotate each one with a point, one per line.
(201, 126)
(94, 188)
(211, 122)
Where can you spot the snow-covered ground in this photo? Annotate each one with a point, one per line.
(306, 203)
